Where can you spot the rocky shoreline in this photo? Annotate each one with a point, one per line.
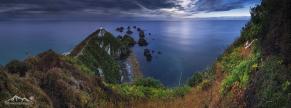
(130, 69)
(135, 66)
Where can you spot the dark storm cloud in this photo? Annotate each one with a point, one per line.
(76, 5)
(221, 5)
(89, 8)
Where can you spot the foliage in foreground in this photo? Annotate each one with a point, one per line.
(239, 68)
(273, 86)
(148, 88)
(204, 77)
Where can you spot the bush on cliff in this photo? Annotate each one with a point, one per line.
(16, 66)
(148, 82)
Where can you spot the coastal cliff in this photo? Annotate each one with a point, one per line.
(87, 77)
(254, 72)
(97, 55)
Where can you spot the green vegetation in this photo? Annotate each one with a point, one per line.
(148, 88)
(206, 77)
(273, 84)
(238, 62)
(148, 82)
(109, 39)
(258, 76)
(77, 63)
(128, 40)
(96, 56)
(239, 68)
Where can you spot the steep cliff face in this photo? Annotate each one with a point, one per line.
(270, 85)
(98, 54)
(276, 37)
(255, 70)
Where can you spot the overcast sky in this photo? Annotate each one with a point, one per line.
(114, 9)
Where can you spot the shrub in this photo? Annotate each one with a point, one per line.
(128, 41)
(77, 63)
(239, 67)
(273, 86)
(148, 82)
(239, 71)
(181, 91)
(16, 66)
(199, 77)
(132, 91)
(205, 84)
(148, 88)
(195, 79)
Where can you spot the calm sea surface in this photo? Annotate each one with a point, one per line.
(186, 47)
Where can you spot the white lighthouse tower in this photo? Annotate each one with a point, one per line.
(101, 32)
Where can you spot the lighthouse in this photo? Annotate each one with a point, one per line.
(101, 32)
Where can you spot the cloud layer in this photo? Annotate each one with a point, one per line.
(115, 8)
(221, 5)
